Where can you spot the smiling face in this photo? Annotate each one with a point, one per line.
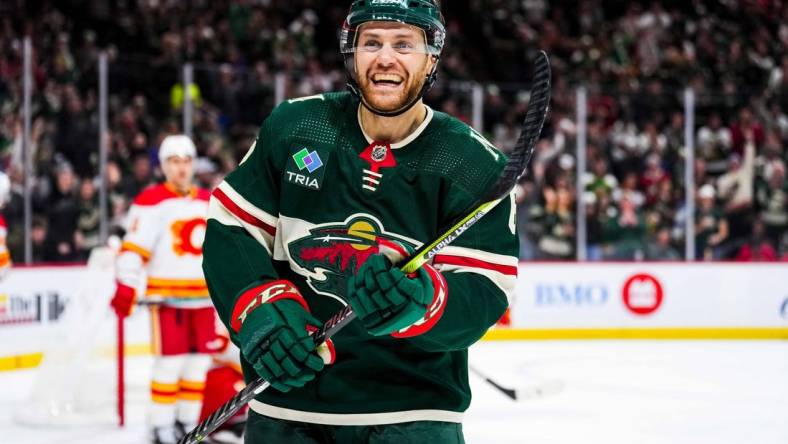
(391, 64)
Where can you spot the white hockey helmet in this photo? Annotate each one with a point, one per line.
(5, 188)
(177, 145)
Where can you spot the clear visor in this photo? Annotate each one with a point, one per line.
(402, 38)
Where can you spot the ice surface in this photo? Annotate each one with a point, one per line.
(607, 392)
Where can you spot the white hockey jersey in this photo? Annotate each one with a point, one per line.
(5, 257)
(163, 244)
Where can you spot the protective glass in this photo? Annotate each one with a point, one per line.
(367, 39)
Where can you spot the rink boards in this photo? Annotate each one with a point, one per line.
(649, 301)
(42, 305)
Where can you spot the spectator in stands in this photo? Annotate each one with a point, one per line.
(745, 128)
(529, 215)
(594, 226)
(141, 175)
(39, 233)
(599, 179)
(714, 144)
(74, 130)
(62, 215)
(772, 198)
(735, 190)
(758, 247)
(660, 247)
(652, 178)
(205, 173)
(778, 82)
(86, 236)
(558, 239)
(711, 227)
(629, 190)
(626, 230)
(663, 211)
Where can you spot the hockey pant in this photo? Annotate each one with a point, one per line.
(183, 339)
(261, 429)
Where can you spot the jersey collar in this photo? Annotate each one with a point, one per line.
(192, 193)
(411, 137)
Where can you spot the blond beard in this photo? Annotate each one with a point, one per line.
(405, 97)
(386, 105)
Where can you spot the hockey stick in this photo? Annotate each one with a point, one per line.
(511, 393)
(514, 168)
(121, 356)
(540, 389)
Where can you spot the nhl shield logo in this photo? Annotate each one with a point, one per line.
(379, 153)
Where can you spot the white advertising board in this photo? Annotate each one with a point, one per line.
(40, 306)
(44, 307)
(650, 295)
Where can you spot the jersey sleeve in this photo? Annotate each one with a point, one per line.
(142, 232)
(242, 219)
(480, 272)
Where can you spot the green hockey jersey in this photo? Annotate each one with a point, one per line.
(312, 200)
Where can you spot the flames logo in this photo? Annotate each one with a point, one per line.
(333, 252)
(188, 236)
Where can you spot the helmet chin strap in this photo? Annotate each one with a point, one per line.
(355, 89)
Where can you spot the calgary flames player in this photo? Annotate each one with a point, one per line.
(163, 241)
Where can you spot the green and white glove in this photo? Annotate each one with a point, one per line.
(387, 301)
(272, 322)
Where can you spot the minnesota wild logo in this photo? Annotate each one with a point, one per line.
(333, 252)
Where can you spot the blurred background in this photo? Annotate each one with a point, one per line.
(666, 139)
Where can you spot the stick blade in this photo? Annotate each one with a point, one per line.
(530, 131)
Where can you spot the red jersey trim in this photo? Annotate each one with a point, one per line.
(157, 194)
(242, 214)
(203, 194)
(263, 294)
(510, 270)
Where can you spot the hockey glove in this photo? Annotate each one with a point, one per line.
(273, 323)
(123, 301)
(385, 299)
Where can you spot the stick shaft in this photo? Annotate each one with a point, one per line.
(121, 365)
(335, 324)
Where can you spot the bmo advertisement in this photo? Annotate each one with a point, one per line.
(651, 300)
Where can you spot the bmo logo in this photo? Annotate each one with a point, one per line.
(642, 294)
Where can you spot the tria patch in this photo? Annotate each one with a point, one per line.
(378, 155)
(306, 167)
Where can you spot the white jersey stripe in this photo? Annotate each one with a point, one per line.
(486, 256)
(355, 419)
(498, 268)
(372, 173)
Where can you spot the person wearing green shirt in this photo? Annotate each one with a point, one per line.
(336, 189)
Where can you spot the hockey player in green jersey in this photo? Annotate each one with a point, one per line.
(335, 189)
